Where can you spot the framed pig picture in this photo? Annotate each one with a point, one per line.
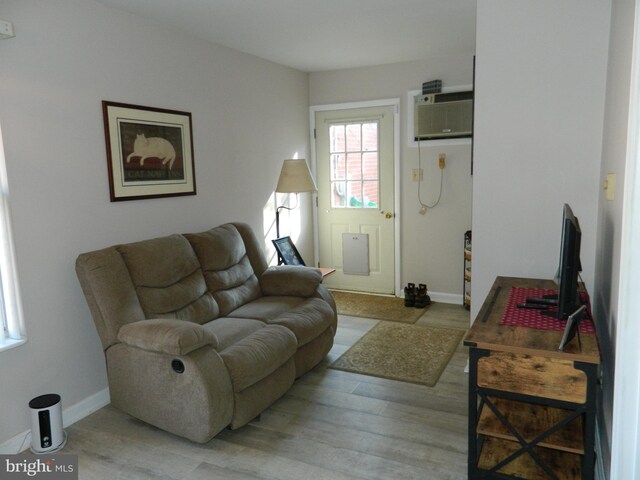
(149, 152)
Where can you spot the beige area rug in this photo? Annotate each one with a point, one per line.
(378, 307)
(409, 353)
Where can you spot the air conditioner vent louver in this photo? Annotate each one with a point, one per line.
(443, 115)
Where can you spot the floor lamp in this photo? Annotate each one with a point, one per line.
(295, 177)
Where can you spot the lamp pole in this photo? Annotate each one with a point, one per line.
(295, 177)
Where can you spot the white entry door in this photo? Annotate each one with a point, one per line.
(355, 176)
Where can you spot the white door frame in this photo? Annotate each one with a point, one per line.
(625, 443)
(394, 102)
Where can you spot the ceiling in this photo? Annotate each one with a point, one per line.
(317, 35)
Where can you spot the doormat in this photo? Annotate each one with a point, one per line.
(378, 307)
(408, 353)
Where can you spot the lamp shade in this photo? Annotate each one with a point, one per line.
(295, 177)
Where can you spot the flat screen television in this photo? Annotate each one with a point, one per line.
(569, 267)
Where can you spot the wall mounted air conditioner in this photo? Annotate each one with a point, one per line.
(443, 115)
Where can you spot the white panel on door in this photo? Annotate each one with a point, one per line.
(355, 253)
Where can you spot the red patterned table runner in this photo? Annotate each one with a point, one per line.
(531, 318)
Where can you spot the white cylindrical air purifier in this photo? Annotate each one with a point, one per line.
(47, 434)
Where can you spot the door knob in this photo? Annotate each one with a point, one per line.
(387, 215)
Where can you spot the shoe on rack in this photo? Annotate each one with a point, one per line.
(410, 295)
(422, 298)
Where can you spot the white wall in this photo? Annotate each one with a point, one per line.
(68, 55)
(431, 245)
(540, 82)
(608, 246)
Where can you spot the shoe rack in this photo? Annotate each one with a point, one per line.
(466, 289)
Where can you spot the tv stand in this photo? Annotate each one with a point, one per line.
(532, 407)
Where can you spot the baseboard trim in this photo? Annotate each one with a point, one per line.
(446, 298)
(86, 407)
(70, 416)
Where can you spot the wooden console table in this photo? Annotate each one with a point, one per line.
(532, 407)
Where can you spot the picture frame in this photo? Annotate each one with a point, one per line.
(287, 251)
(149, 152)
(571, 328)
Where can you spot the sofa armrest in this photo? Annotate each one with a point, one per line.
(291, 280)
(175, 337)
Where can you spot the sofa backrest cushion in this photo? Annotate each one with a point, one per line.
(111, 296)
(168, 280)
(254, 247)
(228, 271)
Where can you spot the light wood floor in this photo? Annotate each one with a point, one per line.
(331, 425)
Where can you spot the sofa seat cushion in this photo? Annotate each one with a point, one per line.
(258, 355)
(307, 320)
(231, 330)
(267, 308)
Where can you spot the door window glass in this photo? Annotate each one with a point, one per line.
(353, 149)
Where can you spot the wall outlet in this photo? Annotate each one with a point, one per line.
(441, 160)
(423, 210)
(417, 174)
(6, 29)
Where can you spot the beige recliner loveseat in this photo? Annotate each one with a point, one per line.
(198, 332)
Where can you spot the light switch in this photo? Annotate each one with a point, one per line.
(610, 187)
(6, 29)
(417, 174)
